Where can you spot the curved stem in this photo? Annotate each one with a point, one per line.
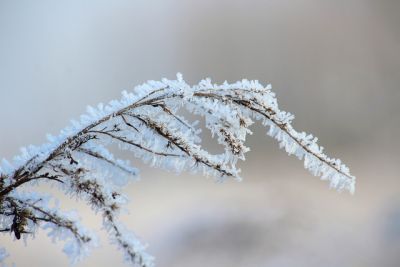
(25, 178)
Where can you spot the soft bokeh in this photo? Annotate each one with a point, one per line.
(334, 64)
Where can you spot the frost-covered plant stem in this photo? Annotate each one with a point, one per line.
(146, 122)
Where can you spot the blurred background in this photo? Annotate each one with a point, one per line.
(334, 64)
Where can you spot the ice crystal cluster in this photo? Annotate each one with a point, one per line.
(146, 122)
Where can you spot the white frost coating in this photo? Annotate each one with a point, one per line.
(146, 122)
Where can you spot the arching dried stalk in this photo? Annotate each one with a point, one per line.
(147, 123)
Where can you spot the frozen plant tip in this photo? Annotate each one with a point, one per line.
(147, 123)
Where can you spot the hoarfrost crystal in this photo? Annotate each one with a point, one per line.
(147, 123)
